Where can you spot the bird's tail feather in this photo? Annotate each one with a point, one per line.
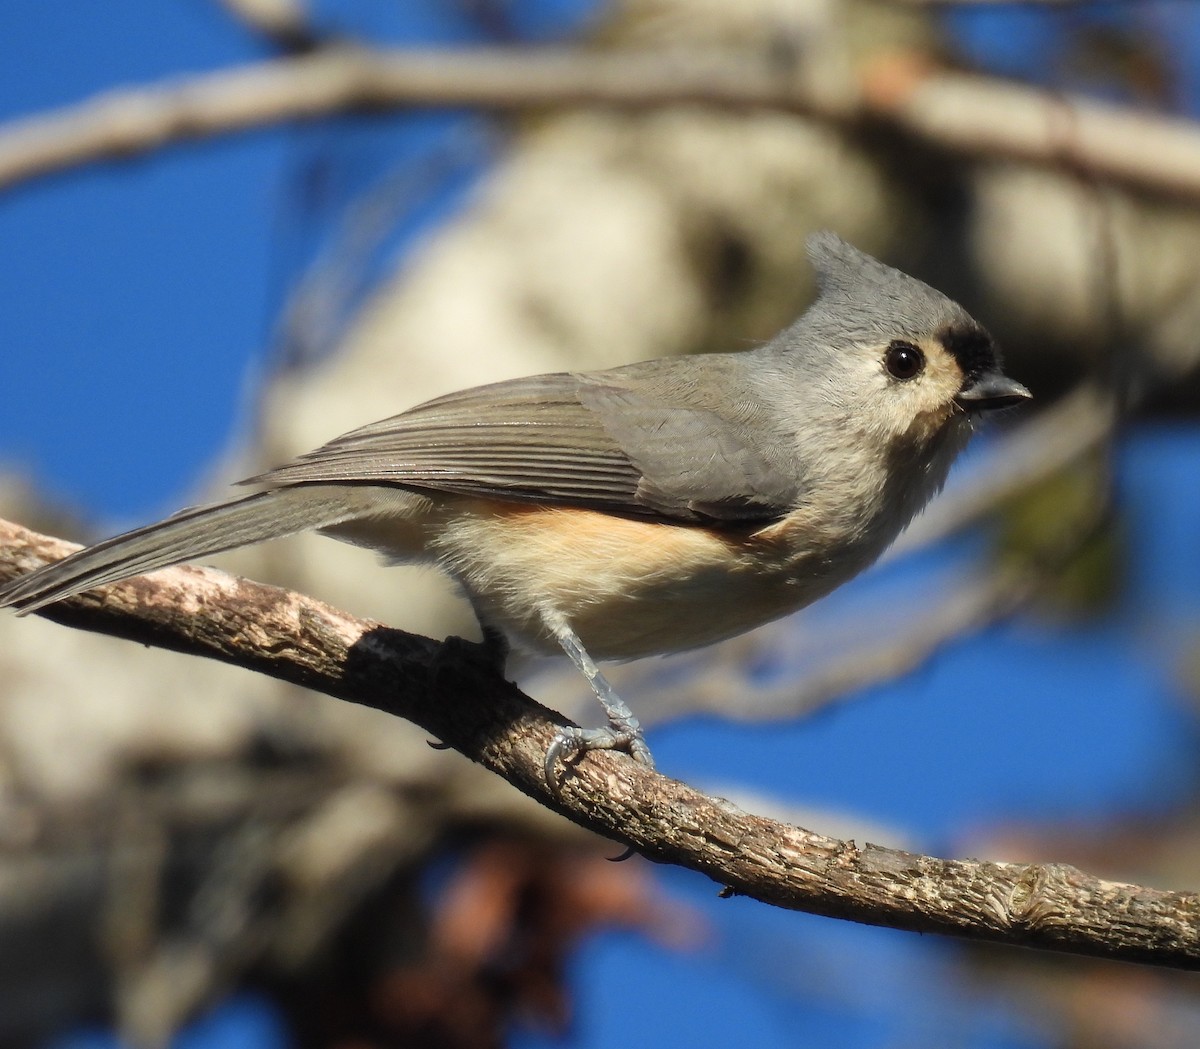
(195, 532)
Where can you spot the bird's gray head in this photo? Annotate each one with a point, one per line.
(893, 354)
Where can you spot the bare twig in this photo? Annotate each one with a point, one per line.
(466, 703)
(983, 117)
(968, 115)
(343, 78)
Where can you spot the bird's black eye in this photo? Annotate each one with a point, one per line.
(903, 360)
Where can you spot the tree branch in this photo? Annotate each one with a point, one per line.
(342, 78)
(967, 115)
(982, 117)
(450, 692)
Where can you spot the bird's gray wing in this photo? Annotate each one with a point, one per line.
(623, 441)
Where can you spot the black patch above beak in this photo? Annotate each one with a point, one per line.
(991, 390)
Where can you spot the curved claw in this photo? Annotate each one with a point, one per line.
(562, 746)
(640, 752)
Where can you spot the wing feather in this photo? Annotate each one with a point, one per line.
(596, 440)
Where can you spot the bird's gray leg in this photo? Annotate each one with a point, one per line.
(624, 731)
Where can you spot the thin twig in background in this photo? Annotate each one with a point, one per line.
(343, 78)
(725, 687)
(468, 705)
(1041, 447)
(964, 114)
(979, 116)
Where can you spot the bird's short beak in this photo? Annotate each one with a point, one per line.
(991, 390)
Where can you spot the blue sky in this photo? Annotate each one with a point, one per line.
(137, 297)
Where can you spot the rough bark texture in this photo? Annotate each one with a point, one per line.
(452, 692)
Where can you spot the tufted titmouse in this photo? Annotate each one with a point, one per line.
(644, 509)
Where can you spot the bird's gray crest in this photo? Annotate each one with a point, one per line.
(864, 299)
(840, 265)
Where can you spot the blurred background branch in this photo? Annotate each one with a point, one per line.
(967, 114)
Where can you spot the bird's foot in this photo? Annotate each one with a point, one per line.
(571, 742)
